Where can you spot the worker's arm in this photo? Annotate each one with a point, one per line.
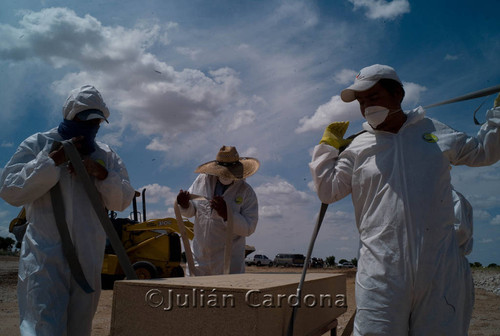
(245, 217)
(185, 205)
(481, 150)
(331, 175)
(30, 173)
(115, 189)
(199, 187)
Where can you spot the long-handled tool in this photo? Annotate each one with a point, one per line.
(472, 95)
(184, 237)
(321, 216)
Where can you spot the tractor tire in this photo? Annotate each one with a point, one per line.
(145, 270)
(177, 272)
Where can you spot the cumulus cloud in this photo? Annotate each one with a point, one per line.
(156, 193)
(242, 118)
(413, 92)
(190, 52)
(298, 11)
(6, 144)
(158, 145)
(480, 214)
(4, 232)
(495, 220)
(281, 190)
(381, 9)
(281, 207)
(270, 211)
(248, 152)
(334, 110)
(153, 97)
(4, 215)
(345, 76)
(484, 201)
(285, 219)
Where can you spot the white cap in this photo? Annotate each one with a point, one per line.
(85, 98)
(91, 114)
(367, 78)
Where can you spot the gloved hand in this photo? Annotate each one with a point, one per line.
(183, 199)
(95, 169)
(496, 103)
(57, 153)
(334, 134)
(219, 205)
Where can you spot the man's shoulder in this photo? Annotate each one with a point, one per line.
(51, 133)
(104, 146)
(360, 142)
(40, 138)
(243, 184)
(436, 124)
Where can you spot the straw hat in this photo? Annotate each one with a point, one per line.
(228, 164)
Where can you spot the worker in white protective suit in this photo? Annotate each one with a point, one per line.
(409, 280)
(51, 302)
(222, 184)
(464, 228)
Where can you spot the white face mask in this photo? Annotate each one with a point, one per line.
(225, 180)
(375, 115)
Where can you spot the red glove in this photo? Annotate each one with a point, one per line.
(183, 199)
(219, 205)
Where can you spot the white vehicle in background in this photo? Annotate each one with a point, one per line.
(258, 260)
(346, 264)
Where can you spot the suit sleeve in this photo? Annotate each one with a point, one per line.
(331, 175)
(115, 189)
(245, 220)
(481, 150)
(30, 173)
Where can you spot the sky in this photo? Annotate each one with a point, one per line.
(183, 78)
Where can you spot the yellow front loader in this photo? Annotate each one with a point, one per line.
(153, 247)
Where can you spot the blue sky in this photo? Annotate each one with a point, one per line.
(182, 78)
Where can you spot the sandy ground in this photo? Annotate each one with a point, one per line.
(485, 318)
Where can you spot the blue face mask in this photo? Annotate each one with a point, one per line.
(69, 129)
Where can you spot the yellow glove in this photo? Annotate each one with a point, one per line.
(334, 135)
(496, 103)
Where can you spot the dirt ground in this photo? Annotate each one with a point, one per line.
(485, 318)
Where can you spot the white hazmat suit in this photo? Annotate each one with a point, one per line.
(210, 228)
(463, 222)
(409, 260)
(464, 229)
(50, 301)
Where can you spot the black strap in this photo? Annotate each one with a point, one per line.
(475, 111)
(96, 201)
(67, 245)
(351, 137)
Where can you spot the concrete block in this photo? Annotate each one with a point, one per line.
(238, 304)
